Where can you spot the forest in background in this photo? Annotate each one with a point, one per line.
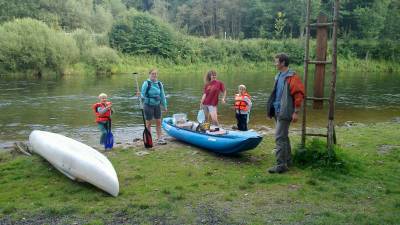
(99, 33)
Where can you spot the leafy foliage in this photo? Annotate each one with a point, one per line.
(370, 19)
(316, 155)
(69, 14)
(103, 58)
(232, 30)
(139, 33)
(385, 49)
(28, 44)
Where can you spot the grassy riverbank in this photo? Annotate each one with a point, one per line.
(176, 184)
(144, 63)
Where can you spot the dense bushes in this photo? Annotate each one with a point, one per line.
(383, 49)
(140, 33)
(96, 16)
(30, 45)
(27, 44)
(255, 50)
(316, 155)
(101, 57)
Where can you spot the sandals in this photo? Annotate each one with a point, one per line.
(161, 141)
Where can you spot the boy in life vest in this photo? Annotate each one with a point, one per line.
(103, 113)
(242, 107)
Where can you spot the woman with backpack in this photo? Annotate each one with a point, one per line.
(153, 96)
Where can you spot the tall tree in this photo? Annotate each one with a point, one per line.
(392, 25)
(160, 9)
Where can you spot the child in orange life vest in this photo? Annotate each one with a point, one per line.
(242, 107)
(103, 113)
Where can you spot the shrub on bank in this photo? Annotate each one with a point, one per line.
(102, 58)
(140, 33)
(316, 155)
(84, 42)
(28, 44)
(370, 49)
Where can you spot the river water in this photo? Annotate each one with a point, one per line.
(63, 104)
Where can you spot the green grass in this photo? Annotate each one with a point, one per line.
(130, 64)
(177, 184)
(142, 64)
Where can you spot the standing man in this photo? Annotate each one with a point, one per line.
(284, 105)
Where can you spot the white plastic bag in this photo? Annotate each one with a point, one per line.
(201, 117)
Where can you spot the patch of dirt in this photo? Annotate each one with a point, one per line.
(396, 119)
(384, 149)
(294, 187)
(207, 214)
(43, 219)
(353, 124)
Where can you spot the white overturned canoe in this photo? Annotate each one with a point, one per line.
(76, 160)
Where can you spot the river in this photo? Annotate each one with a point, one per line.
(63, 104)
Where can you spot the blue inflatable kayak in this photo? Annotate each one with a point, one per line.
(228, 143)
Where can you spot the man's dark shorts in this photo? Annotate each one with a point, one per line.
(152, 112)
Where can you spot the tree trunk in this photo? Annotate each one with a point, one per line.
(215, 20)
(39, 74)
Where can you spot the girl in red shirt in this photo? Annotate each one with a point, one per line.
(209, 100)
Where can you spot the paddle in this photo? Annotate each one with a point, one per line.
(147, 139)
(109, 142)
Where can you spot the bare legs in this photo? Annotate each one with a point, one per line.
(158, 127)
(213, 115)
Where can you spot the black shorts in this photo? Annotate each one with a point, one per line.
(152, 112)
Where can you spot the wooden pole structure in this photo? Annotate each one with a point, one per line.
(321, 50)
(331, 140)
(306, 59)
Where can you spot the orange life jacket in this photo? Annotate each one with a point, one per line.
(101, 117)
(240, 103)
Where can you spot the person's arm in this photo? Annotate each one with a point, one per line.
(202, 99)
(163, 98)
(223, 89)
(102, 110)
(109, 106)
(297, 92)
(248, 102)
(224, 97)
(143, 91)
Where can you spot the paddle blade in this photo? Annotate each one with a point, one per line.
(109, 142)
(147, 140)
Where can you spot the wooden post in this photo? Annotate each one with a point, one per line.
(305, 77)
(321, 50)
(331, 140)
